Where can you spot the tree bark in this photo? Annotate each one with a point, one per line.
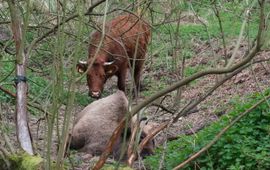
(22, 129)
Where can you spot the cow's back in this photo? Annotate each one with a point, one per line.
(133, 32)
(121, 35)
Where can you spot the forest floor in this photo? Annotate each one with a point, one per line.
(255, 78)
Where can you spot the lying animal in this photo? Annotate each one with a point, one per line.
(95, 124)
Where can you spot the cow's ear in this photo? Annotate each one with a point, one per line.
(110, 70)
(81, 67)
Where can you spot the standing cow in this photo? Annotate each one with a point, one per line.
(125, 43)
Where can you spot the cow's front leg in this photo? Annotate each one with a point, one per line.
(122, 80)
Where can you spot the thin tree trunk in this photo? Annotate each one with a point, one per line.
(23, 133)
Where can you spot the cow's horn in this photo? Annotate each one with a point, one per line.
(82, 62)
(108, 63)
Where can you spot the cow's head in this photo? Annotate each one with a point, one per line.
(149, 148)
(97, 74)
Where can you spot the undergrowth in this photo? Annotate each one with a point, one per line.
(246, 145)
(204, 32)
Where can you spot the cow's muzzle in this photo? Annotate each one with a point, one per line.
(95, 94)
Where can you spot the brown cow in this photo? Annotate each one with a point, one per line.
(126, 36)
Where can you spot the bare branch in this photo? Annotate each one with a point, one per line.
(7, 49)
(36, 105)
(108, 149)
(217, 13)
(162, 107)
(55, 28)
(232, 59)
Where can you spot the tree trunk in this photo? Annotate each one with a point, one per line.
(23, 133)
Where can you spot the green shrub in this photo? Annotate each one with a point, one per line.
(246, 145)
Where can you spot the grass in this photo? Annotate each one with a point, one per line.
(164, 37)
(231, 25)
(244, 146)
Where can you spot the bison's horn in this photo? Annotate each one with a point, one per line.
(108, 63)
(82, 62)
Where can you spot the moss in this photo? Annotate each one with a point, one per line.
(25, 161)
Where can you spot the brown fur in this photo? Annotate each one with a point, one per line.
(126, 40)
(95, 124)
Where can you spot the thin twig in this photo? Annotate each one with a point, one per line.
(55, 28)
(6, 49)
(4, 22)
(162, 107)
(160, 103)
(38, 107)
(216, 11)
(257, 83)
(233, 57)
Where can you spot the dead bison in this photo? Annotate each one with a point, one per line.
(95, 124)
(126, 37)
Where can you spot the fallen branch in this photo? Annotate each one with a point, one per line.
(117, 132)
(7, 92)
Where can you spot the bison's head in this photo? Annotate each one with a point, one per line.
(97, 74)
